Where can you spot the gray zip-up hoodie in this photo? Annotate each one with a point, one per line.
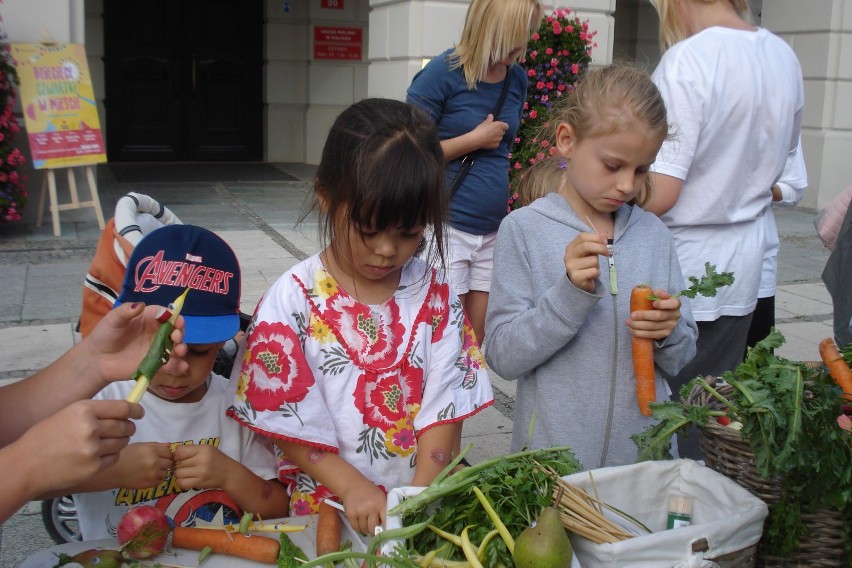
(568, 349)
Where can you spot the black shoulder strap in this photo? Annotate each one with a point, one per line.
(503, 92)
(468, 160)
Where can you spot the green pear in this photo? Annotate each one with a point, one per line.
(546, 545)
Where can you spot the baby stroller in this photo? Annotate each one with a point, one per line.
(136, 215)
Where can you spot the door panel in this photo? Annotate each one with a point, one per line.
(183, 79)
(142, 92)
(225, 110)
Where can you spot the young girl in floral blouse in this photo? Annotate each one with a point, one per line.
(359, 364)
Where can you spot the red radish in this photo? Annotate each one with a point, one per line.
(143, 532)
(723, 420)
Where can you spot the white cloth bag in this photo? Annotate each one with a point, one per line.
(727, 516)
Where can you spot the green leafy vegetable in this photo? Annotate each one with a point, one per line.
(707, 285)
(788, 413)
(290, 555)
(517, 486)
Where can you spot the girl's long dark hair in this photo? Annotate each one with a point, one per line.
(382, 167)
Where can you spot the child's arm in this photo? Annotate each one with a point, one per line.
(436, 448)
(534, 311)
(364, 502)
(206, 467)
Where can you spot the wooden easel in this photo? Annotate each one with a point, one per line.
(48, 185)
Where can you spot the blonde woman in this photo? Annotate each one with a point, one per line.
(734, 96)
(460, 90)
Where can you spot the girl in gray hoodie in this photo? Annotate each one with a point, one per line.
(559, 319)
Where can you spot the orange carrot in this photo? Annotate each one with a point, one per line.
(837, 367)
(328, 529)
(643, 352)
(251, 547)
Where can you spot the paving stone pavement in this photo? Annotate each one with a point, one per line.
(41, 276)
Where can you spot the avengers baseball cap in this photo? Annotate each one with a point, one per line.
(173, 258)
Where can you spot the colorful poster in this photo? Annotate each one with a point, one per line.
(59, 105)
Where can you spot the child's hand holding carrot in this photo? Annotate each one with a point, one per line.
(659, 322)
(581, 260)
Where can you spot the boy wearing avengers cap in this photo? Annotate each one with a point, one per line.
(186, 457)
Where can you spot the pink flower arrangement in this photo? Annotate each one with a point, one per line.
(557, 56)
(13, 192)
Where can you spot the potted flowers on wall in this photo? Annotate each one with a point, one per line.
(557, 56)
(13, 192)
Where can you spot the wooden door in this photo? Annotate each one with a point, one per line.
(183, 80)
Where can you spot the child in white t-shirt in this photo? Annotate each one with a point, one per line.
(186, 458)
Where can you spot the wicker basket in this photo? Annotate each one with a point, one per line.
(727, 452)
(742, 558)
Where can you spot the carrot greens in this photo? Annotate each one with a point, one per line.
(707, 285)
(789, 415)
(517, 487)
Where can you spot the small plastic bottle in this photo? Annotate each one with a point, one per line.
(680, 512)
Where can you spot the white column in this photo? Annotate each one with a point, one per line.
(819, 32)
(333, 85)
(287, 55)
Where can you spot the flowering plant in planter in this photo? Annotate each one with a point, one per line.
(13, 193)
(557, 55)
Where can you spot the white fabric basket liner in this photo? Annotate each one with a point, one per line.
(725, 514)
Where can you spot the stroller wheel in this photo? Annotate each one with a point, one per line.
(59, 516)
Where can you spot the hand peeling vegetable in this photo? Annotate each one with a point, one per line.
(158, 354)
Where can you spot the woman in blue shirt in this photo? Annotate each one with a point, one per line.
(460, 90)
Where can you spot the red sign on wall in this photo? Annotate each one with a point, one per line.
(332, 4)
(333, 42)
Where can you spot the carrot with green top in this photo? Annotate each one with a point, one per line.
(642, 298)
(158, 353)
